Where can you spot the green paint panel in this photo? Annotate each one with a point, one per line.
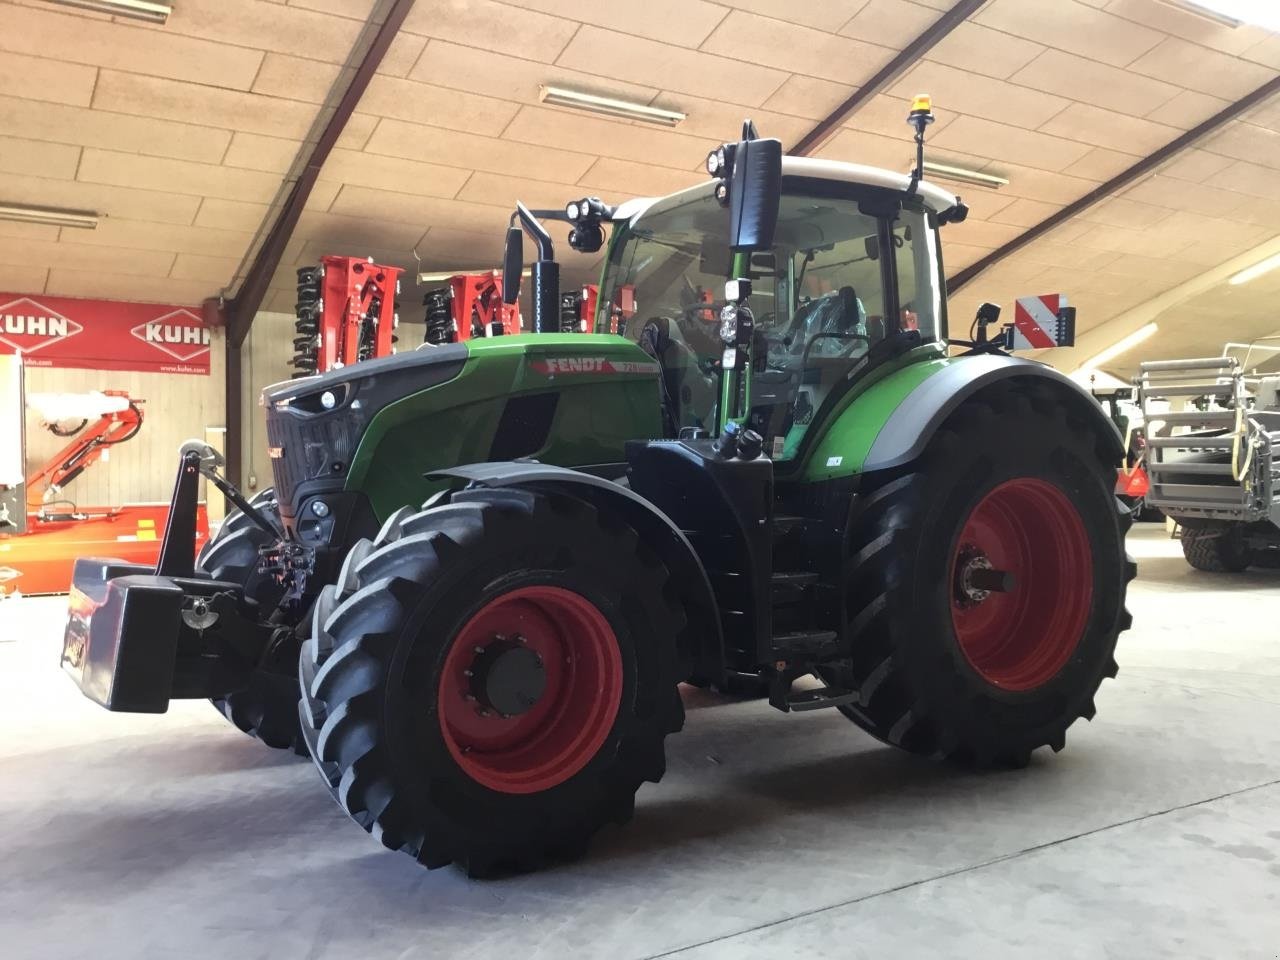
(853, 427)
(608, 395)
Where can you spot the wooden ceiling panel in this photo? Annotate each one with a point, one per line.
(752, 39)
(1017, 145)
(459, 67)
(1072, 27)
(889, 23)
(959, 91)
(50, 81)
(1105, 128)
(1187, 109)
(470, 151)
(703, 74)
(1190, 65)
(829, 15)
(1079, 78)
(977, 49)
(684, 23)
(128, 46)
(487, 25)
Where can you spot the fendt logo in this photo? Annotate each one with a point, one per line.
(180, 334)
(27, 326)
(554, 365)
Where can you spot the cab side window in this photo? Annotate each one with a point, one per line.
(916, 264)
(843, 293)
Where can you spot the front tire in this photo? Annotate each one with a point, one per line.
(266, 706)
(1009, 485)
(489, 682)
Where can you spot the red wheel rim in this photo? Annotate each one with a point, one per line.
(565, 723)
(1019, 638)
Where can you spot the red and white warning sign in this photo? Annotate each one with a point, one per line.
(1042, 322)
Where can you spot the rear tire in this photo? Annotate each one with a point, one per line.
(267, 706)
(1011, 478)
(386, 712)
(1216, 549)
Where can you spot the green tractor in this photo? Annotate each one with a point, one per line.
(486, 568)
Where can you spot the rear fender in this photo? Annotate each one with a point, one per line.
(911, 426)
(701, 643)
(891, 423)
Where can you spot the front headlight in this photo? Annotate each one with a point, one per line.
(729, 323)
(715, 162)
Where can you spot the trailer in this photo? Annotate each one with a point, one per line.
(1214, 464)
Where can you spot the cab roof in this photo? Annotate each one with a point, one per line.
(934, 197)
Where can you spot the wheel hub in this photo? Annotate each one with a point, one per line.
(1021, 584)
(976, 578)
(530, 688)
(507, 677)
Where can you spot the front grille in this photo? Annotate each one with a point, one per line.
(307, 447)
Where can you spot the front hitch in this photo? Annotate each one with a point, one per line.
(138, 637)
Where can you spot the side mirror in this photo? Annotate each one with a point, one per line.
(512, 265)
(755, 193)
(871, 245)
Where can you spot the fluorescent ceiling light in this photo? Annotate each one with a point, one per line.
(136, 9)
(561, 97)
(50, 216)
(1123, 345)
(943, 171)
(1257, 270)
(1233, 13)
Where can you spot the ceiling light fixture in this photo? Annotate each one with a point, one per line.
(1199, 10)
(944, 171)
(1123, 345)
(1233, 13)
(1257, 270)
(135, 9)
(49, 216)
(560, 97)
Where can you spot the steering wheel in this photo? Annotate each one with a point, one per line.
(849, 338)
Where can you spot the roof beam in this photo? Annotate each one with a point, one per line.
(891, 71)
(263, 257)
(1119, 181)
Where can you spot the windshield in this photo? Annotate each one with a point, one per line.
(837, 283)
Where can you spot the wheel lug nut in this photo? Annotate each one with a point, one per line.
(468, 696)
(477, 649)
(483, 712)
(467, 673)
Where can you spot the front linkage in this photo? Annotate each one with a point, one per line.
(137, 637)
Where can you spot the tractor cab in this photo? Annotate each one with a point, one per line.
(852, 278)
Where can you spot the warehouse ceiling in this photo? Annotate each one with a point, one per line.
(181, 134)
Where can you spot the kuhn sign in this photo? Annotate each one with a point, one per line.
(104, 334)
(181, 334)
(29, 326)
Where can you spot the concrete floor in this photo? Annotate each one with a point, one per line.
(1157, 832)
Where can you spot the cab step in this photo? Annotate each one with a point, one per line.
(805, 645)
(820, 698)
(790, 585)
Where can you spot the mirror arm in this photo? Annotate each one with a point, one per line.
(536, 231)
